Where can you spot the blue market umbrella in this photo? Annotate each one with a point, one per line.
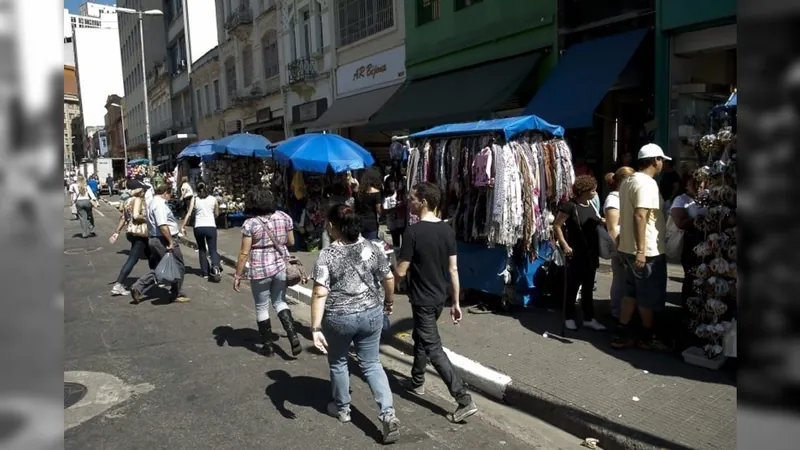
(732, 100)
(203, 149)
(243, 144)
(138, 161)
(314, 152)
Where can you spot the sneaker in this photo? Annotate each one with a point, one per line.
(621, 341)
(594, 324)
(391, 427)
(119, 289)
(570, 325)
(463, 412)
(409, 386)
(343, 416)
(181, 298)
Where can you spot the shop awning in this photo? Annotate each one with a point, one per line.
(178, 138)
(581, 79)
(354, 110)
(276, 123)
(461, 96)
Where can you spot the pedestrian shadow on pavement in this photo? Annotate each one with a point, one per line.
(310, 392)
(247, 338)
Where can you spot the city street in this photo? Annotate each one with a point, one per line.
(186, 376)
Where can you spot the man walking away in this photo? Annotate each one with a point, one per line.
(110, 185)
(163, 230)
(428, 257)
(641, 248)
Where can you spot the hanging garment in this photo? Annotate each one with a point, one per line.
(482, 168)
(298, 186)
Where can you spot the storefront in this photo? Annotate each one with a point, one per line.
(363, 87)
(267, 123)
(696, 55)
(305, 114)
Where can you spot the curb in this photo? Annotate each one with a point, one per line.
(500, 387)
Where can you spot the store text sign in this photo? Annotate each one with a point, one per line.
(375, 70)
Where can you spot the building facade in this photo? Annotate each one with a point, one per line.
(487, 59)
(90, 15)
(189, 37)
(250, 69)
(73, 137)
(159, 101)
(208, 100)
(115, 133)
(306, 44)
(696, 59)
(370, 57)
(134, 70)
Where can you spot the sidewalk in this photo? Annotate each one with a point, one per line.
(578, 384)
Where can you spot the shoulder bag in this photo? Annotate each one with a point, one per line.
(295, 272)
(607, 246)
(137, 225)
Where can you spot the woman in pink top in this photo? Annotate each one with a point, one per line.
(264, 240)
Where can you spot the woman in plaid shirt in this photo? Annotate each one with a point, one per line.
(267, 264)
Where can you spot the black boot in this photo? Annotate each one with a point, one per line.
(265, 329)
(288, 324)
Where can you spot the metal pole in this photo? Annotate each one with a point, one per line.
(146, 106)
(124, 140)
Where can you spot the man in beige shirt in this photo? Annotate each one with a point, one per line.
(641, 247)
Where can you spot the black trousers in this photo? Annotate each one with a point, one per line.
(581, 273)
(428, 347)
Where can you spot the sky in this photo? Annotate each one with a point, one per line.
(73, 5)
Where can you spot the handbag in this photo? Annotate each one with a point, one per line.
(295, 272)
(673, 240)
(137, 225)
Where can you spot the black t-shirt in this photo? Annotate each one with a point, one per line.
(668, 181)
(428, 246)
(581, 230)
(365, 208)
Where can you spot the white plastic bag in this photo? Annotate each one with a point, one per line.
(673, 241)
(168, 270)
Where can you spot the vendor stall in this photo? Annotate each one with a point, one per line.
(501, 181)
(312, 161)
(714, 304)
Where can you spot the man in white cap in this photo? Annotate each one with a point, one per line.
(641, 247)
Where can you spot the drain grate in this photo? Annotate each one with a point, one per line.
(73, 393)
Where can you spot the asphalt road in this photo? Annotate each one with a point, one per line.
(185, 376)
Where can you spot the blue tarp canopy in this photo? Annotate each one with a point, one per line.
(732, 101)
(203, 150)
(139, 161)
(243, 144)
(510, 127)
(582, 77)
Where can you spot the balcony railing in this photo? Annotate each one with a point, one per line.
(242, 16)
(302, 69)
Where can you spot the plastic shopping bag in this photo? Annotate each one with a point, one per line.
(168, 270)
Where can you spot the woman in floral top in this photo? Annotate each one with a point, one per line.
(353, 288)
(267, 258)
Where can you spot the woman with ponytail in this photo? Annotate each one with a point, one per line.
(353, 289)
(84, 200)
(206, 209)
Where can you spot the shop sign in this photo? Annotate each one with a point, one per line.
(372, 71)
(264, 115)
(307, 112)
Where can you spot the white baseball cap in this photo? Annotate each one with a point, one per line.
(652, 151)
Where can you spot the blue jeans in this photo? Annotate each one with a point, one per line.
(364, 330)
(206, 238)
(618, 280)
(269, 290)
(370, 235)
(139, 248)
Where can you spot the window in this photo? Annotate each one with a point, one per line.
(307, 33)
(230, 77)
(320, 35)
(216, 95)
(461, 4)
(198, 100)
(360, 19)
(269, 49)
(247, 65)
(427, 11)
(207, 99)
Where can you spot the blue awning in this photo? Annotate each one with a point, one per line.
(510, 127)
(582, 77)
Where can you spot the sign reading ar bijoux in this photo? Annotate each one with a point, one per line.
(375, 70)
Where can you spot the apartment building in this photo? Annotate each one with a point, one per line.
(207, 96)
(306, 45)
(115, 133)
(249, 60)
(189, 37)
(73, 139)
(133, 70)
